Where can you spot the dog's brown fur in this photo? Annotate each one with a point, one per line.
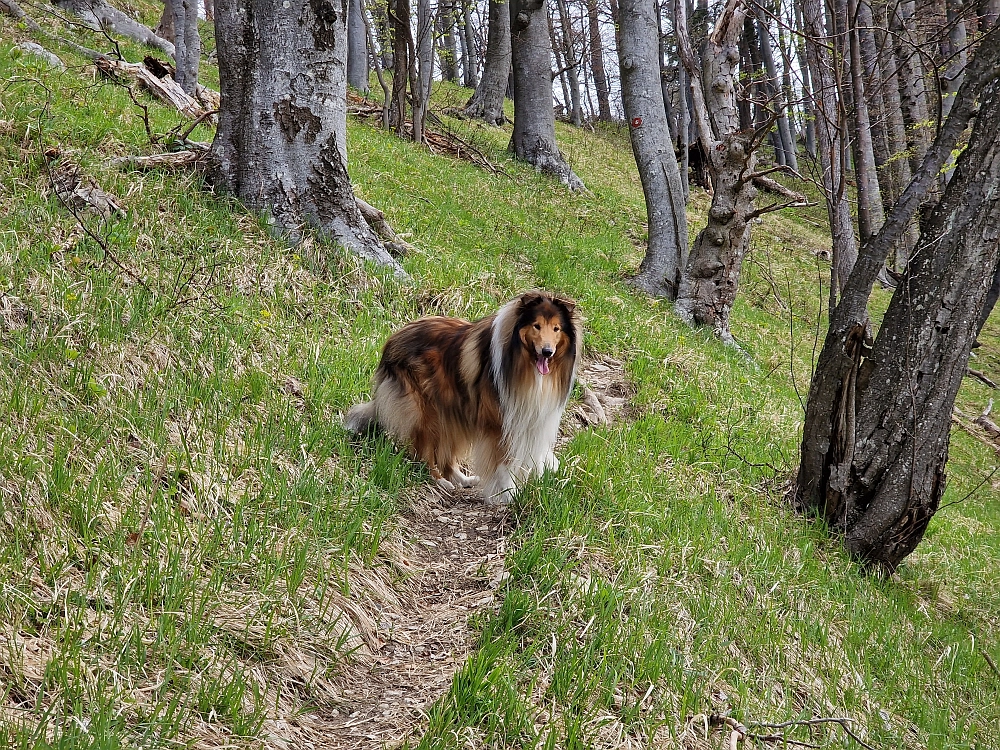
(493, 389)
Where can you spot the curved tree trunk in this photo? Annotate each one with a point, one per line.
(357, 47)
(97, 14)
(187, 43)
(711, 276)
(487, 102)
(826, 470)
(534, 138)
(638, 54)
(280, 145)
(892, 472)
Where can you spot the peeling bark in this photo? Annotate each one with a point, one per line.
(281, 141)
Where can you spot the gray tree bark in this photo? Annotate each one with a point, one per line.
(638, 55)
(807, 84)
(357, 47)
(448, 49)
(165, 28)
(470, 63)
(912, 86)
(830, 145)
(828, 481)
(98, 14)
(891, 477)
(597, 63)
(534, 138)
(773, 88)
(487, 102)
(281, 143)
(572, 58)
(425, 51)
(954, 54)
(187, 43)
(710, 279)
(871, 213)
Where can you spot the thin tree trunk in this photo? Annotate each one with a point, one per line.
(399, 24)
(572, 62)
(470, 67)
(912, 87)
(830, 145)
(534, 137)
(557, 52)
(425, 48)
(775, 97)
(487, 102)
(165, 28)
(281, 141)
(357, 47)
(187, 44)
(638, 53)
(597, 63)
(870, 210)
(808, 89)
(448, 51)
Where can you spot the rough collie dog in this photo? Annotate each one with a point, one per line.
(492, 391)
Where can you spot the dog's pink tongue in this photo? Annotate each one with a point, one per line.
(543, 365)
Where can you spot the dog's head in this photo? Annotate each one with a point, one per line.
(548, 328)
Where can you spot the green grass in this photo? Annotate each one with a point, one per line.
(184, 520)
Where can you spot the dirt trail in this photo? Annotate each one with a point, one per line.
(455, 546)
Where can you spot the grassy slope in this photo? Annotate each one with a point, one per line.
(657, 577)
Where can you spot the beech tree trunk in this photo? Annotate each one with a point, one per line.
(912, 86)
(875, 435)
(597, 63)
(281, 143)
(830, 146)
(487, 102)
(425, 51)
(448, 50)
(165, 28)
(638, 55)
(711, 276)
(870, 209)
(470, 64)
(774, 93)
(187, 43)
(572, 63)
(534, 138)
(357, 47)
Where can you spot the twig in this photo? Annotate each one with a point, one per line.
(843, 721)
(990, 661)
(982, 378)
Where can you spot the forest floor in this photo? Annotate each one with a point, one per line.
(193, 552)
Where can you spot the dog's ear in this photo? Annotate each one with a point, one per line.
(530, 299)
(568, 305)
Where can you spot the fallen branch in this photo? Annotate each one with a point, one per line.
(156, 79)
(376, 220)
(982, 378)
(189, 159)
(98, 15)
(762, 182)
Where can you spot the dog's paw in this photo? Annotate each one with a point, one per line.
(466, 480)
(444, 484)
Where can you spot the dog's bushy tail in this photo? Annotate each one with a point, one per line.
(361, 419)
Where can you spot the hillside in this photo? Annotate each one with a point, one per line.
(193, 552)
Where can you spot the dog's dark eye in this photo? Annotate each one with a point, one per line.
(537, 327)
(556, 329)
